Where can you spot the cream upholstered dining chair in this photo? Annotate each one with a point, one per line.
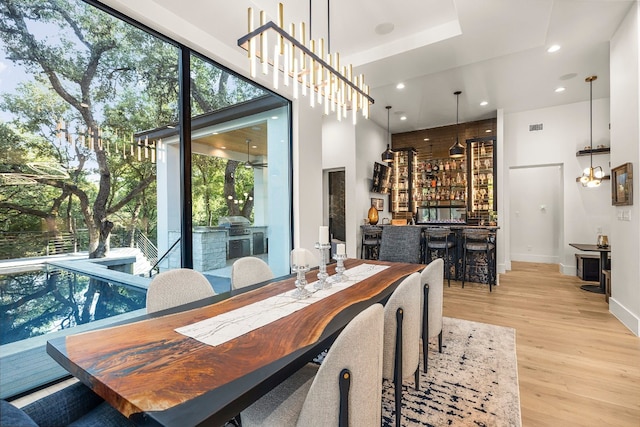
(432, 279)
(401, 353)
(401, 243)
(176, 287)
(346, 390)
(248, 271)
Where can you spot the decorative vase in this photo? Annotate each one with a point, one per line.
(373, 215)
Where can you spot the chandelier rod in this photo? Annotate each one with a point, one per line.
(591, 119)
(328, 27)
(244, 40)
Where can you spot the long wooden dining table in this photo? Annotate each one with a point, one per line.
(157, 376)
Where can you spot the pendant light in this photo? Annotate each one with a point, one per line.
(591, 177)
(387, 156)
(456, 150)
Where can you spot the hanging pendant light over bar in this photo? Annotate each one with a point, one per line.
(457, 150)
(307, 67)
(591, 177)
(387, 155)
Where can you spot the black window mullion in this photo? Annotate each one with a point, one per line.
(185, 158)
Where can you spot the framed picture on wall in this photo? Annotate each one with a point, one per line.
(377, 203)
(622, 185)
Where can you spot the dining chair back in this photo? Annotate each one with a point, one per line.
(345, 391)
(432, 279)
(370, 243)
(74, 405)
(248, 271)
(172, 288)
(401, 352)
(401, 244)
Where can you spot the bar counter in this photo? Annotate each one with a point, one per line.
(458, 250)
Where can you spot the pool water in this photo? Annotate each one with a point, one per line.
(47, 300)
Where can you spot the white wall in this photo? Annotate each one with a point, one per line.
(586, 212)
(625, 141)
(354, 148)
(338, 152)
(307, 176)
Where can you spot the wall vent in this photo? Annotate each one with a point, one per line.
(535, 127)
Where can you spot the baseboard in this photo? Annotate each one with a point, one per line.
(626, 317)
(542, 259)
(569, 270)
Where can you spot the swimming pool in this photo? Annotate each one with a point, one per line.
(50, 299)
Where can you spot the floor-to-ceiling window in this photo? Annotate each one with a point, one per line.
(90, 119)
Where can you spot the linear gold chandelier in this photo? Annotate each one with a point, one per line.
(109, 141)
(305, 65)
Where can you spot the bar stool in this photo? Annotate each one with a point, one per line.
(438, 242)
(371, 235)
(476, 242)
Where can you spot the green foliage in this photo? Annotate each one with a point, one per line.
(84, 70)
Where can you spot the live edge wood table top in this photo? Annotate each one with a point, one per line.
(157, 376)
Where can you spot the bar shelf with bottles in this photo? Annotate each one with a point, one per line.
(481, 157)
(441, 182)
(403, 189)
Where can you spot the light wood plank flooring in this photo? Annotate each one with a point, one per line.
(577, 364)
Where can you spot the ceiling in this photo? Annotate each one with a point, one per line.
(491, 50)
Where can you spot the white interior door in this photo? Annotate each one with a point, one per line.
(536, 213)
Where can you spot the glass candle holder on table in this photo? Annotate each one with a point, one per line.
(300, 265)
(322, 282)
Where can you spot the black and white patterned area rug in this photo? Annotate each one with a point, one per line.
(473, 382)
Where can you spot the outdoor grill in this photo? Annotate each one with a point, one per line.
(237, 225)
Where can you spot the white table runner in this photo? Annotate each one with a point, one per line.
(227, 326)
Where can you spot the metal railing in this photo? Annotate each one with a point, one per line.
(24, 244)
(146, 246)
(155, 266)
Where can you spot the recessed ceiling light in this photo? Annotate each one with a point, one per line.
(254, 146)
(483, 103)
(215, 133)
(274, 117)
(560, 89)
(223, 147)
(568, 76)
(403, 118)
(384, 28)
(426, 139)
(553, 48)
(400, 86)
(488, 131)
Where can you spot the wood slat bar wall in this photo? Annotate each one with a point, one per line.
(439, 141)
(441, 138)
